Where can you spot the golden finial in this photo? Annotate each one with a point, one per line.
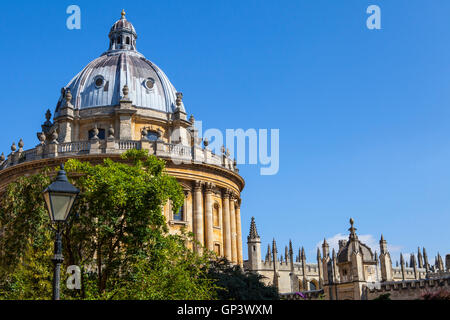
(123, 13)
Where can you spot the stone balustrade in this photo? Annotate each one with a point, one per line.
(177, 152)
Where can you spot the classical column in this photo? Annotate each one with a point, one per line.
(239, 233)
(166, 210)
(233, 229)
(188, 210)
(226, 225)
(198, 215)
(209, 216)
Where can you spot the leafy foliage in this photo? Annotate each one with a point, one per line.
(385, 296)
(235, 284)
(118, 237)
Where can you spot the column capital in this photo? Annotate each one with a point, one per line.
(198, 185)
(226, 194)
(234, 196)
(209, 187)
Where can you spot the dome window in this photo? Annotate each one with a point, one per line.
(99, 81)
(149, 83)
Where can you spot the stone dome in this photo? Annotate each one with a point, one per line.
(345, 253)
(347, 248)
(100, 83)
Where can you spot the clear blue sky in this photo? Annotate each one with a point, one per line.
(363, 115)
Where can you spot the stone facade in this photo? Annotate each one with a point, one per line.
(156, 122)
(353, 273)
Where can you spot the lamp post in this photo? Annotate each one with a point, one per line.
(59, 198)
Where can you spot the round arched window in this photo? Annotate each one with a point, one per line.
(99, 81)
(149, 83)
(152, 135)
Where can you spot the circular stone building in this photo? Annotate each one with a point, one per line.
(122, 101)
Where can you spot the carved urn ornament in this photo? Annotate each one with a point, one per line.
(21, 144)
(68, 96)
(13, 147)
(2, 157)
(179, 98)
(125, 92)
(46, 127)
(111, 132)
(144, 133)
(159, 133)
(54, 137)
(41, 137)
(95, 133)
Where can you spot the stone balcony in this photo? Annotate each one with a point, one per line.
(178, 153)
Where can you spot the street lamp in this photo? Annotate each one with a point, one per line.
(59, 198)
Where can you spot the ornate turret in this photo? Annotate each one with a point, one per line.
(413, 264)
(402, 266)
(303, 261)
(385, 261)
(425, 260)
(253, 234)
(292, 276)
(320, 268)
(419, 258)
(275, 263)
(440, 263)
(325, 248)
(122, 35)
(254, 247)
(291, 255)
(268, 254)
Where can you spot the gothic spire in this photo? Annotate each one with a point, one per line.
(425, 260)
(419, 258)
(274, 251)
(291, 252)
(402, 265)
(269, 254)
(253, 232)
(286, 254)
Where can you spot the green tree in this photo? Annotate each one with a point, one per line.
(235, 284)
(118, 235)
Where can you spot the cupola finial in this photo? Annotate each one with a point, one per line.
(123, 13)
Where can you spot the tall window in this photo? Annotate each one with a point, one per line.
(217, 249)
(216, 218)
(179, 215)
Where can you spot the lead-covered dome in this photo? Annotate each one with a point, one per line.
(100, 83)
